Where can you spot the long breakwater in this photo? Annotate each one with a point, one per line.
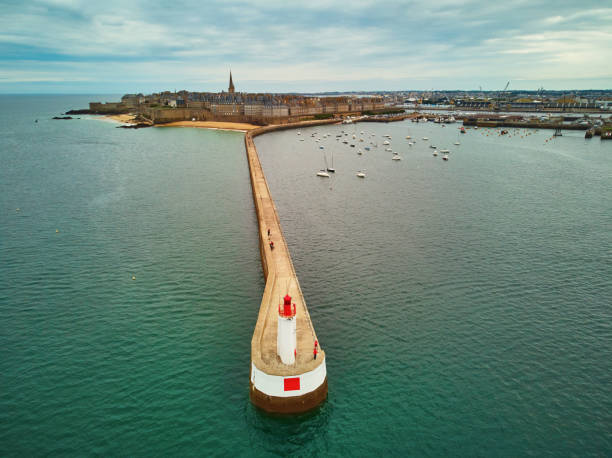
(275, 386)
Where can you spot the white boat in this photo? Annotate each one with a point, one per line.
(360, 174)
(435, 153)
(396, 157)
(444, 151)
(322, 173)
(360, 152)
(457, 143)
(388, 149)
(432, 146)
(445, 157)
(425, 138)
(408, 137)
(386, 142)
(299, 133)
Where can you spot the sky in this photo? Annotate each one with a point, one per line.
(89, 46)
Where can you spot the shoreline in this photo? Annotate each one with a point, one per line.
(122, 118)
(130, 119)
(218, 125)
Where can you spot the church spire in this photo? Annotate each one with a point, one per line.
(231, 85)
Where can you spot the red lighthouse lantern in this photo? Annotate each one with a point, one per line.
(287, 310)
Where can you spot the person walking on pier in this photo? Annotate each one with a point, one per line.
(314, 352)
(268, 232)
(271, 245)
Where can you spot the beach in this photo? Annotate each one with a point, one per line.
(240, 126)
(124, 118)
(211, 125)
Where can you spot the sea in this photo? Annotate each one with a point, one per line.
(465, 306)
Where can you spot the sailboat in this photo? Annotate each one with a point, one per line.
(330, 169)
(323, 173)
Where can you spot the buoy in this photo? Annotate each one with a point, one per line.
(56, 231)
(133, 277)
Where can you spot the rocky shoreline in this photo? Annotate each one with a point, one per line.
(139, 125)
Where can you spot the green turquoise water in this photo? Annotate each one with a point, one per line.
(464, 306)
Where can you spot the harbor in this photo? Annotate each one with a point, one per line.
(464, 277)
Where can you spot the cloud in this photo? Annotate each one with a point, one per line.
(271, 43)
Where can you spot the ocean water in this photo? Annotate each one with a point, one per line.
(464, 306)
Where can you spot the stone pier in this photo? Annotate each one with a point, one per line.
(274, 386)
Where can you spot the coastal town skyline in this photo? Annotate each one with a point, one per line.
(69, 46)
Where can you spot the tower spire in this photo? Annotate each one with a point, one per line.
(231, 85)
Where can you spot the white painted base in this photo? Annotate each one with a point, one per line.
(275, 385)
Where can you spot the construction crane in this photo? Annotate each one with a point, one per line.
(500, 94)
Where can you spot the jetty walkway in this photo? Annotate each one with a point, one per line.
(267, 370)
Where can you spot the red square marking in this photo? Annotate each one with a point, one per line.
(292, 384)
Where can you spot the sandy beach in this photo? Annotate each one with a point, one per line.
(211, 125)
(124, 118)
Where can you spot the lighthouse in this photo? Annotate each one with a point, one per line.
(286, 346)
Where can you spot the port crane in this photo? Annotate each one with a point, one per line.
(500, 94)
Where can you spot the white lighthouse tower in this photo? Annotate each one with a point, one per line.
(286, 337)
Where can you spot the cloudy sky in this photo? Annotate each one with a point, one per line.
(88, 46)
